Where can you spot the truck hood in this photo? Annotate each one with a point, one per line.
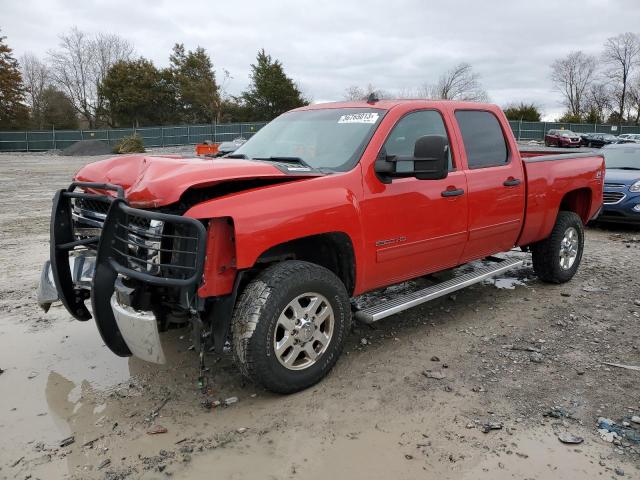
(626, 177)
(156, 181)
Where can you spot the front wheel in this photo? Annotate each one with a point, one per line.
(290, 325)
(556, 259)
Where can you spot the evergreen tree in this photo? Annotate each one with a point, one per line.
(271, 92)
(194, 81)
(527, 112)
(13, 112)
(57, 110)
(136, 93)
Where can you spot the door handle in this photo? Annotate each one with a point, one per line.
(452, 193)
(511, 182)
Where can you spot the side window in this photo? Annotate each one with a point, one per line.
(483, 139)
(412, 126)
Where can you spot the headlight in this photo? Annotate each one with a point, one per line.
(635, 187)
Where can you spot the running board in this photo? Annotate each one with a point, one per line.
(404, 302)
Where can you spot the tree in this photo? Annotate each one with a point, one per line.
(13, 112)
(527, 112)
(354, 93)
(572, 77)
(598, 102)
(35, 75)
(133, 92)
(459, 83)
(198, 98)
(79, 65)
(57, 110)
(271, 92)
(622, 55)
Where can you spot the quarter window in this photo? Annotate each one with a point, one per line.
(402, 139)
(483, 139)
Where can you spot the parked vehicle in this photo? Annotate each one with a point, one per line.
(629, 137)
(622, 183)
(561, 138)
(266, 246)
(598, 140)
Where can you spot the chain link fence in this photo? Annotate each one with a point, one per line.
(39, 140)
(536, 130)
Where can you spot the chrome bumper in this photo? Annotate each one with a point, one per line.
(139, 330)
(82, 267)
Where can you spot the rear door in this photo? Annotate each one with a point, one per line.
(495, 183)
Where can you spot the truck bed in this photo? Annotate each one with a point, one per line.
(554, 181)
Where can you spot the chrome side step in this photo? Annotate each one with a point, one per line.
(404, 302)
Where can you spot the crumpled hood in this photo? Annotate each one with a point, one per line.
(626, 177)
(155, 181)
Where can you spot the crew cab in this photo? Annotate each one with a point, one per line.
(562, 138)
(262, 250)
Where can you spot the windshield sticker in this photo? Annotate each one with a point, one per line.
(364, 117)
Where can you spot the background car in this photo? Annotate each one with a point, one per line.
(629, 137)
(598, 140)
(621, 184)
(561, 138)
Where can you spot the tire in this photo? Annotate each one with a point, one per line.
(557, 258)
(267, 305)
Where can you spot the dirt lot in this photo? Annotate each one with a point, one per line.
(515, 354)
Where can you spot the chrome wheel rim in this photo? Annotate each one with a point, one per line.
(569, 248)
(303, 331)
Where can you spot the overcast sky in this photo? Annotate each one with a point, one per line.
(327, 46)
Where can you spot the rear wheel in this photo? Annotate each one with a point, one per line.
(557, 258)
(289, 326)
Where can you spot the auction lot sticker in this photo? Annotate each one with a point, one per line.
(364, 117)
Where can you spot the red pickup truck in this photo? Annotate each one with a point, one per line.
(262, 249)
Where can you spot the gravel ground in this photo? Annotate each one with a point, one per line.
(479, 385)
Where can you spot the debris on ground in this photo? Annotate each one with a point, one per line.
(157, 429)
(619, 471)
(558, 412)
(65, 442)
(536, 357)
(610, 430)
(438, 375)
(32, 375)
(435, 359)
(487, 427)
(620, 365)
(106, 462)
(569, 438)
(1, 371)
(230, 401)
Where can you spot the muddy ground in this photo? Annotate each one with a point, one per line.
(522, 356)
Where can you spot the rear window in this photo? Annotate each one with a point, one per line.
(483, 139)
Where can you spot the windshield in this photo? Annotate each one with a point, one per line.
(328, 139)
(628, 158)
(567, 133)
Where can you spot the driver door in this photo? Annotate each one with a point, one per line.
(414, 227)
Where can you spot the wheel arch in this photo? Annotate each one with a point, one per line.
(577, 201)
(332, 250)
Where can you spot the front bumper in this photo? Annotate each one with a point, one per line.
(622, 211)
(127, 248)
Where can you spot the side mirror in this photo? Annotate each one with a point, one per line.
(430, 161)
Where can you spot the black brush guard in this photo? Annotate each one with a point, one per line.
(180, 249)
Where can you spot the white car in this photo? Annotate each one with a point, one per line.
(630, 136)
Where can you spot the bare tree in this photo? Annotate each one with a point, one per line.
(634, 99)
(81, 63)
(622, 55)
(572, 76)
(459, 83)
(598, 101)
(355, 92)
(35, 76)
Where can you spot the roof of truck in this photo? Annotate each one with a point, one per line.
(388, 104)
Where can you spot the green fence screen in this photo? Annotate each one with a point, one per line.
(29, 141)
(25, 141)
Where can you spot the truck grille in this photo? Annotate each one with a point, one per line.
(88, 216)
(169, 249)
(611, 198)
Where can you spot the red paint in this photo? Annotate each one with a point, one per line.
(398, 231)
